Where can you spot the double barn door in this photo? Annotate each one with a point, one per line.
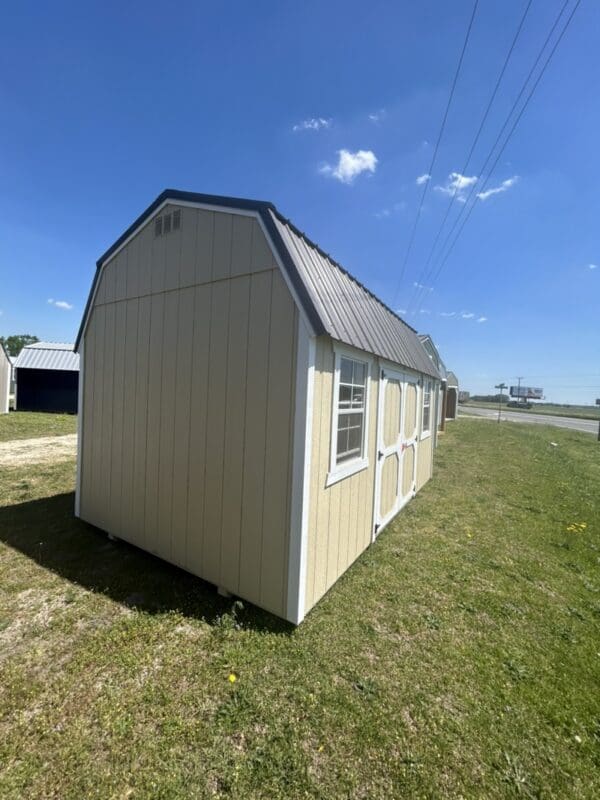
(397, 431)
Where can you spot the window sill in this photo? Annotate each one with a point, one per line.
(346, 470)
(425, 435)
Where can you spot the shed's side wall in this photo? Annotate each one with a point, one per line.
(5, 373)
(188, 403)
(341, 515)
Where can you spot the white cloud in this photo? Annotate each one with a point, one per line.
(60, 304)
(592, 266)
(423, 179)
(503, 187)
(447, 313)
(350, 165)
(400, 311)
(312, 124)
(378, 116)
(457, 184)
(482, 319)
(424, 311)
(467, 314)
(422, 286)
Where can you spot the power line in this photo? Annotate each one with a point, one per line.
(421, 280)
(508, 137)
(435, 152)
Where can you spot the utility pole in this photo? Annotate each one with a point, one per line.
(502, 387)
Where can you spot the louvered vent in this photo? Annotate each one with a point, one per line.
(167, 223)
(176, 220)
(158, 226)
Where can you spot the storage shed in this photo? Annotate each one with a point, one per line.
(5, 379)
(248, 410)
(451, 396)
(47, 378)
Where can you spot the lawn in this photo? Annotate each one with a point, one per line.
(32, 425)
(458, 658)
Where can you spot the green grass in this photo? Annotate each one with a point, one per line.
(458, 658)
(578, 412)
(31, 425)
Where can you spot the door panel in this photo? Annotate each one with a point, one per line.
(395, 477)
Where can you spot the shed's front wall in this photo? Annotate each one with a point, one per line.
(188, 395)
(341, 516)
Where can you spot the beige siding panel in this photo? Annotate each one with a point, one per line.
(140, 373)
(91, 502)
(197, 451)
(215, 430)
(205, 224)
(259, 325)
(341, 515)
(173, 242)
(106, 382)
(151, 533)
(233, 466)
(389, 484)
(129, 403)
(87, 418)
(132, 268)
(157, 263)
(181, 404)
(145, 238)
(222, 242)
(121, 268)
(424, 459)
(115, 474)
(109, 281)
(166, 429)
(280, 403)
(189, 229)
(241, 245)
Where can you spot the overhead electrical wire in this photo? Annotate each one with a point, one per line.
(435, 151)
(463, 171)
(445, 254)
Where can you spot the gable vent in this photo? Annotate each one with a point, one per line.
(158, 226)
(167, 223)
(176, 220)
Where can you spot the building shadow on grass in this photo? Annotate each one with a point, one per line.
(46, 531)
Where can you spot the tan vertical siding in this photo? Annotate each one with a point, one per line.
(424, 461)
(189, 403)
(340, 516)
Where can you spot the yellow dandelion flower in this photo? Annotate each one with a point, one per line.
(321, 748)
(232, 677)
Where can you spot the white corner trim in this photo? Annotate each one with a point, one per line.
(301, 464)
(8, 377)
(79, 429)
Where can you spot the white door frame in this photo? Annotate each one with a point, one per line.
(383, 452)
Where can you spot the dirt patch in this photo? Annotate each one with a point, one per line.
(45, 450)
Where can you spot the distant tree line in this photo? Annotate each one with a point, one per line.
(14, 344)
(491, 398)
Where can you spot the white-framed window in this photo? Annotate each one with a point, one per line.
(350, 415)
(426, 414)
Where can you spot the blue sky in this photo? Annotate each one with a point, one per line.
(330, 110)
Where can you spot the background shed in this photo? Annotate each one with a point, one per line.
(47, 378)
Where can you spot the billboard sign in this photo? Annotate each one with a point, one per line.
(527, 392)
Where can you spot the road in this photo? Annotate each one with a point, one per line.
(585, 425)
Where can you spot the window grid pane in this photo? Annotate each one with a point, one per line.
(351, 407)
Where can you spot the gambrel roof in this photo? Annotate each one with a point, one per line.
(48, 355)
(334, 302)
